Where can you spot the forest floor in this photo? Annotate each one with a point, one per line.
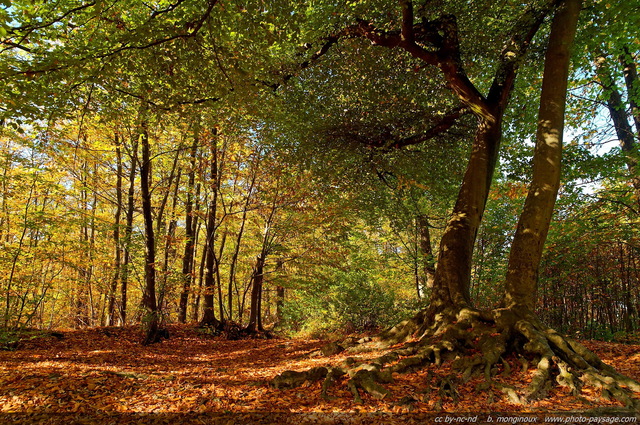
(106, 376)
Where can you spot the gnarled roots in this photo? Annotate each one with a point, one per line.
(476, 343)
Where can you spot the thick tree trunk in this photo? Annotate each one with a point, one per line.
(533, 225)
(453, 275)
(450, 295)
(450, 291)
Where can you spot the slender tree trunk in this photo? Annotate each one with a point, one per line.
(426, 252)
(84, 277)
(218, 260)
(256, 292)
(203, 258)
(92, 248)
(279, 304)
(618, 112)
(533, 225)
(169, 247)
(189, 244)
(209, 317)
(236, 251)
(117, 266)
(128, 231)
(151, 319)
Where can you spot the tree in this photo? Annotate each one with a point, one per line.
(209, 317)
(149, 300)
(190, 230)
(450, 316)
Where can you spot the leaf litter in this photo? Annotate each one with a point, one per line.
(105, 375)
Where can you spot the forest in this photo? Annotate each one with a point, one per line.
(366, 206)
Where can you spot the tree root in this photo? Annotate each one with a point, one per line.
(478, 344)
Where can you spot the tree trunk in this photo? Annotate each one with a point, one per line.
(128, 231)
(169, 246)
(426, 253)
(236, 251)
(256, 293)
(630, 71)
(279, 304)
(82, 301)
(150, 319)
(218, 260)
(533, 225)
(203, 258)
(618, 112)
(208, 316)
(190, 227)
(117, 266)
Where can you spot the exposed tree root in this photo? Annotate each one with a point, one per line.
(156, 336)
(233, 331)
(478, 344)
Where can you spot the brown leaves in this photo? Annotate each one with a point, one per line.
(97, 372)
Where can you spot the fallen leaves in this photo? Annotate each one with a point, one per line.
(97, 372)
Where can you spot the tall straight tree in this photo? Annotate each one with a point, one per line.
(117, 261)
(208, 315)
(128, 228)
(190, 230)
(149, 301)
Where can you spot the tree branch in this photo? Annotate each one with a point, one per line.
(444, 125)
(514, 50)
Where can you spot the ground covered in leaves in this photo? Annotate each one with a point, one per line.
(106, 376)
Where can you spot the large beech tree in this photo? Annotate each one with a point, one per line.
(450, 325)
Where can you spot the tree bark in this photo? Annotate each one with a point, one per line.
(128, 231)
(117, 261)
(426, 253)
(630, 72)
(533, 225)
(236, 251)
(256, 293)
(190, 227)
(453, 274)
(151, 319)
(618, 112)
(208, 316)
